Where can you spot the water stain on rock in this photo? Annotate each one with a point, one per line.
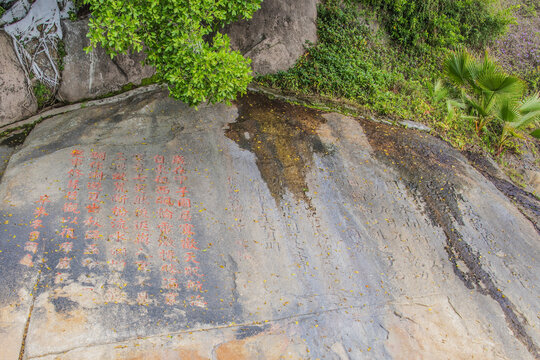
(283, 137)
(428, 168)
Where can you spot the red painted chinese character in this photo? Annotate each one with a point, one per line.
(119, 176)
(159, 159)
(76, 162)
(161, 179)
(120, 165)
(187, 229)
(141, 212)
(117, 265)
(36, 224)
(164, 200)
(165, 213)
(162, 190)
(182, 191)
(93, 208)
(98, 175)
(31, 247)
(198, 301)
(27, 260)
(64, 263)
(180, 179)
(142, 265)
(92, 234)
(73, 184)
(179, 170)
(184, 202)
(167, 255)
(71, 195)
(68, 219)
(120, 199)
(165, 228)
(169, 268)
(93, 196)
(115, 295)
(77, 153)
(189, 243)
(96, 165)
(92, 221)
(119, 211)
(140, 199)
(66, 247)
(98, 155)
(33, 236)
(194, 285)
(142, 298)
(40, 211)
(192, 270)
(119, 186)
(142, 238)
(170, 298)
(119, 252)
(140, 177)
(161, 169)
(118, 224)
(118, 236)
(43, 199)
(67, 233)
(169, 283)
(75, 172)
(190, 256)
(71, 207)
(141, 225)
(165, 241)
(178, 159)
(185, 215)
(94, 185)
(91, 249)
(140, 187)
(90, 263)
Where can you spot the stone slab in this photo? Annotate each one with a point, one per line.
(309, 235)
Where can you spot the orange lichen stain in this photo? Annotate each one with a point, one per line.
(233, 350)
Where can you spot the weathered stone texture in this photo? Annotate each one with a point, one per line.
(90, 75)
(16, 100)
(317, 235)
(276, 35)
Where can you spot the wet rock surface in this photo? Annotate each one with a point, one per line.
(146, 229)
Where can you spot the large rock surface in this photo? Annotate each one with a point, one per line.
(306, 235)
(16, 101)
(91, 75)
(276, 35)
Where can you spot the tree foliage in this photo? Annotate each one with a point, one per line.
(182, 41)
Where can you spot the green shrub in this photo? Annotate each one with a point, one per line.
(350, 62)
(43, 94)
(422, 24)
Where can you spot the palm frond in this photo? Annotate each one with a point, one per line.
(456, 67)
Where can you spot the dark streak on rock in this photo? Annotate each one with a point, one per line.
(428, 167)
(283, 138)
(248, 331)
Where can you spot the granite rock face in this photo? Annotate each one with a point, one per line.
(276, 35)
(146, 229)
(91, 75)
(16, 100)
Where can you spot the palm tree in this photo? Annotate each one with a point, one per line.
(482, 85)
(516, 116)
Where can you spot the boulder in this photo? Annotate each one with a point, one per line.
(95, 74)
(276, 35)
(16, 100)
